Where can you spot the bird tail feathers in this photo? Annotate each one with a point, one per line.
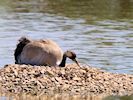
(23, 41)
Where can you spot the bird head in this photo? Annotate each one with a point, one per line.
(72, 56)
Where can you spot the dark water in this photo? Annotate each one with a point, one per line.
(99, 31)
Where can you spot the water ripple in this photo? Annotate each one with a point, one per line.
(105, 44)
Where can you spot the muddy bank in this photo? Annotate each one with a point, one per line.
(70, 79)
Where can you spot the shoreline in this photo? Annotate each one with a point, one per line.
(70, 79)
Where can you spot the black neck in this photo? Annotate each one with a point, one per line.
(63, 62)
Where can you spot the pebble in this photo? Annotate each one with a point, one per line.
(70, 79)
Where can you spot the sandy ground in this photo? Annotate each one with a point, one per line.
(70, 79)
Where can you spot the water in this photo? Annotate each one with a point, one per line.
(100, 32)
(102, 36)
(61, 97)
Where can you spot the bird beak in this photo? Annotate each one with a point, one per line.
(76, 62)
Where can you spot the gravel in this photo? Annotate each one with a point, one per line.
(70, 79)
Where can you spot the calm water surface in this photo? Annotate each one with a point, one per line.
(99, 31)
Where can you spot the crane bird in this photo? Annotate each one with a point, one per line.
(41, 52)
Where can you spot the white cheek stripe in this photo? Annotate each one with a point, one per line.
(58, 62)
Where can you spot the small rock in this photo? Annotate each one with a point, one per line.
(77, 79)
(27, 78)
